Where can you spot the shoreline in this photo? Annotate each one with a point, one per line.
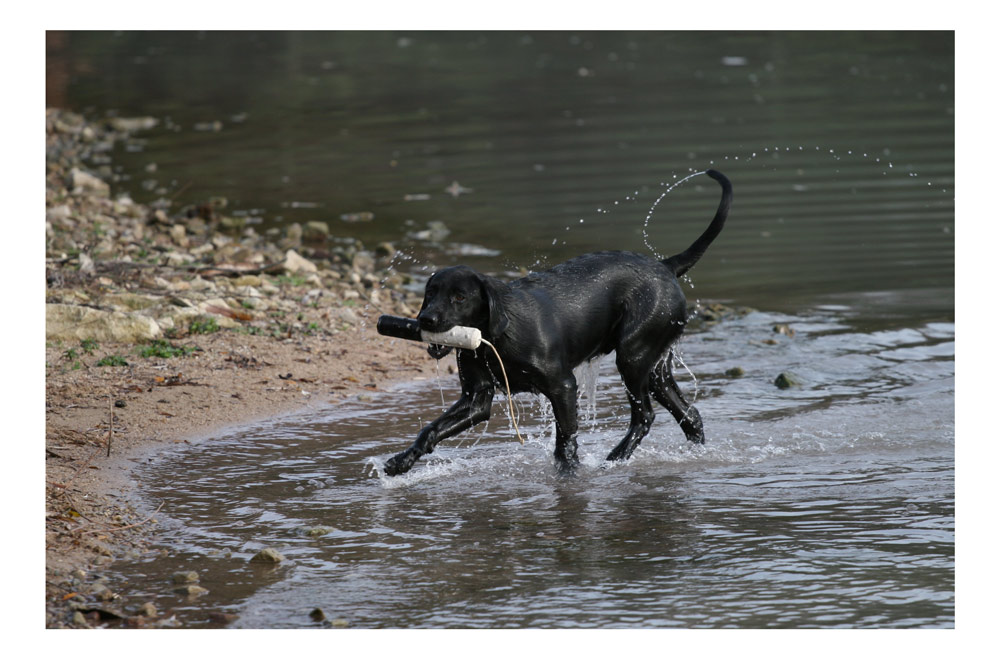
(166, 328)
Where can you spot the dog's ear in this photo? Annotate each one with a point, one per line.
(498, 319)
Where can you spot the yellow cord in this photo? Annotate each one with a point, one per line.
(510, 404)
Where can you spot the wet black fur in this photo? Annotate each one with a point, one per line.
(546, 324)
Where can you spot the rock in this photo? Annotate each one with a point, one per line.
(83, 183)
(436, 231)
(786, 381)
(267, 555)
(132, 124)
(147, 610)
(735, 372)
(317, 615)
(222, 618)
(178, 233)
(185, 577)
(317, 531)
(385, 250)
(363, 262)
(783, 328)
(86, 263)
(130, 301)
(294, 263)
(293, 235)
(316, 231)
(344, 315)
(247, 280)
(175, 259)
(199, 284)
(67, 322)
(102, 592)
(191, 590)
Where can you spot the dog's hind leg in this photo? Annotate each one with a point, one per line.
(635, 375)
(667, 393)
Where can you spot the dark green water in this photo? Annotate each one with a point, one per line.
(840, 145)
(830, 504)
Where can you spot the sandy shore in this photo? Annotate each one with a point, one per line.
(166, 325)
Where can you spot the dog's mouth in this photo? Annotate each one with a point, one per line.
(432, 326)
(437, 351)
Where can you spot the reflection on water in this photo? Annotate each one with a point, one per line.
(827, 505)
(840, 145)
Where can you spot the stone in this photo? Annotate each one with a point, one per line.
(191, 589)
(130, 301)
(344, 315)
(148, 610)
(363, 262)
(83, 183)
(315, 231)
(68, 322)
(133, 124)
(293, 235)
(178, 233)
(175, 259)
(247, 280)
(786, 381)
(294, 263)
(185, 577)
(267, 555)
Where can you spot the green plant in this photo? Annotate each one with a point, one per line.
(292, 280)
(88, 346)
(112, 360)
(165, 350)
(203, 325)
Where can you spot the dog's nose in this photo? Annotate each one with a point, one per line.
(428, 321)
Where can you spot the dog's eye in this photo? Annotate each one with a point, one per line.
(457, 298)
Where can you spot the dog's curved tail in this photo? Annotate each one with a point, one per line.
(681, 263)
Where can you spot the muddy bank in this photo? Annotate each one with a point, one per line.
(164, 324)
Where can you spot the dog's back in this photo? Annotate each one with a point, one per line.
(590, 302)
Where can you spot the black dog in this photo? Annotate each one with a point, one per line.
(547, 323)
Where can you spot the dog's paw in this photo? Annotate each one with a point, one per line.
(399, 464)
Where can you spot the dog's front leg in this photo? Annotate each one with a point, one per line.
(562, 395)
(471, 408)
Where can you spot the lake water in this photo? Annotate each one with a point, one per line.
(826, 505)
(829, 504)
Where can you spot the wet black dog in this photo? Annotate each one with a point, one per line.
(546, 324)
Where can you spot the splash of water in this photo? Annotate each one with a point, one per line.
(652, 209)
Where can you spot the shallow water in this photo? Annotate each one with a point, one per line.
(827, 505)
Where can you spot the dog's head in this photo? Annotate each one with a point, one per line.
(461, 296)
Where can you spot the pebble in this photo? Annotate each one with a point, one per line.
(185, 577)
(267, 555)
(191, 590)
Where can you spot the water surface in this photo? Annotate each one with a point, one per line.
(830, 504)
(840, 145)
(827, 505)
